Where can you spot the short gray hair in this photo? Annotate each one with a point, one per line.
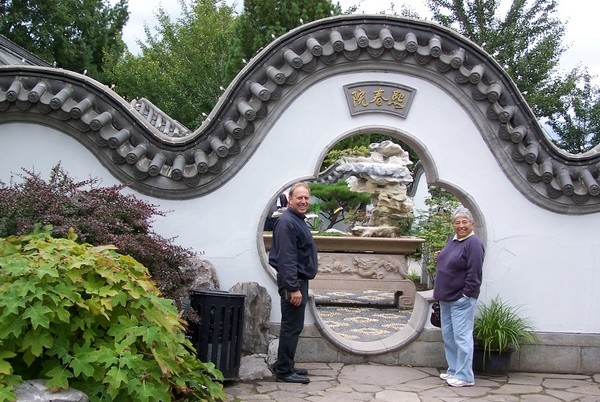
(462, 212)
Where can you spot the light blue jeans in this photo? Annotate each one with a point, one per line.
(457, 330)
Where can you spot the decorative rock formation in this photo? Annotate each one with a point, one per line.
(257, 310)
(385, 175)
(254, 368)
(201, 275)
(36, 391)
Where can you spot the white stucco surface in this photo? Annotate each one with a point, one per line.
(544, 261)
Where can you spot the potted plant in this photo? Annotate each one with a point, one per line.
(499, 330)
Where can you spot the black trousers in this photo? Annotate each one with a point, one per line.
(292, 323)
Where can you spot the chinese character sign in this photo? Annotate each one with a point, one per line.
(386, 97)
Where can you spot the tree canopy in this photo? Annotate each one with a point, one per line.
(77, 35)
(181, 66)
(576, 121)
(264, 20)
(527, 41)
(335, 200)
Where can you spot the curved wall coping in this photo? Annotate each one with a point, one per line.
(135, 151)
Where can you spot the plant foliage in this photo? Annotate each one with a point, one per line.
(499, 327)
(527, 40)
(337, 199)
(98, 215)
(435, 226)
(77, 35)
(181, 68)
(264, 20)
(576, 121)
(89, 318)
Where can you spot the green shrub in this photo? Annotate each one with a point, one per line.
(98, 215)
(89, 318)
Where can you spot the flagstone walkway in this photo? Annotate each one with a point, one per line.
(337, 382)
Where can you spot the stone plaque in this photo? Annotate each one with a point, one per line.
(377, 96)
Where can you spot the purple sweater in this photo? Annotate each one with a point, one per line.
(458, 270)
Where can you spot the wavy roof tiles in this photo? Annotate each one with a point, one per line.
(140, 144)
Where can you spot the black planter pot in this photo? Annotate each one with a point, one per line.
(493, 363)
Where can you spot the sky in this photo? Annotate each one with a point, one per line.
(582, 35)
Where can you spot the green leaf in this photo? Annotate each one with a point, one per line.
(38, 315)
(115, 377)
(152, 392)
(62, 314)
(7, 394)
(152, 335)
(67, 292)
(104, 355)
(25, 288)
(5, 367)
(9, 306)
(165, 361)
(48, 269)
(81, 365)
(131, 361)
(58, 378)
(119, 300)
(35, 341)
(14, 326)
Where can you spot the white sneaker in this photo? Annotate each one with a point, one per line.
(455, 382)
(445, 376)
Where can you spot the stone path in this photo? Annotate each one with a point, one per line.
(361, 316)
(337, 382)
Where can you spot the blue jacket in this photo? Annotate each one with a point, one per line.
(293, 252)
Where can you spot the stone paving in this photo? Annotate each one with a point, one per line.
(337, 382)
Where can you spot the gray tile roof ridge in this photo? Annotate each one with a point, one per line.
(147, 147)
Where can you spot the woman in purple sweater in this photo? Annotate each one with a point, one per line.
(457, 283)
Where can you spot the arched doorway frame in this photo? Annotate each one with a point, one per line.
(421, 309)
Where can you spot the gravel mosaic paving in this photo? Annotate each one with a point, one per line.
(361, 316)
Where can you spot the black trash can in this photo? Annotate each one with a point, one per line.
(218, 336)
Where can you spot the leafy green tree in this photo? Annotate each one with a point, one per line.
(527, 40)
(264, 20)
(78, 35)
(181, 66)
(335, 200)
(576, 122)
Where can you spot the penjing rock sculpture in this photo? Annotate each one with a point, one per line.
(383, 174)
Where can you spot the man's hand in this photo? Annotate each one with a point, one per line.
(296, 298)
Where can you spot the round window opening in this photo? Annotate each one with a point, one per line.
(372, 291)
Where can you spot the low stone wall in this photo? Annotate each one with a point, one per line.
(563, 353)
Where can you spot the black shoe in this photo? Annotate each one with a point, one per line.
(301, 371)
(295, 378)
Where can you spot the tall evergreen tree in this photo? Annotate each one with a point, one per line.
(77, 35)
(181, 66)
(576, 122)
(527, 40)
(263, 20)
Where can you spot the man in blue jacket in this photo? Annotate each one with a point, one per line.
(294, 256)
